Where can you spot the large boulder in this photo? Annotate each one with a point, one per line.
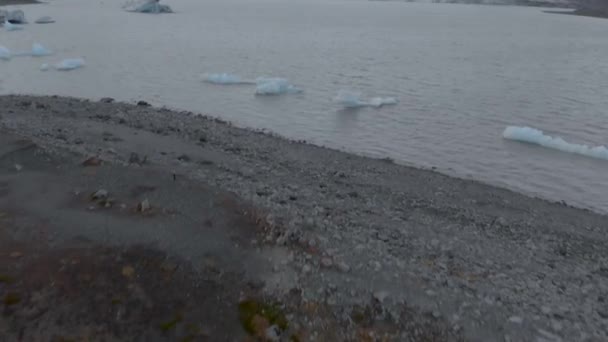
(16, 17)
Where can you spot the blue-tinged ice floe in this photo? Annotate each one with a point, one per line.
(274, 86)
(224, 78)
(5, 54)
(351, 99)
(12, 27)
(70, 64)
(38, 50)
(537, 137)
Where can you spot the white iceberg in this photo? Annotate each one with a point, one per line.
(12, 27)
(40, 51)
(70, 64)
(5, 53)
(224, 78)
(274, 86)
(351, 99)
(537, 137)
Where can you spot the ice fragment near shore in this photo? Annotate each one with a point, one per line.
(274, 86)
(12, 27)
(70, 64)
(537, 137)
(351, 99)
(40, 51)
(5, 53)
(224, 78)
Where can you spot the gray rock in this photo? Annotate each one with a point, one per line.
(45, 20)
(144, 206)
(272, 333)
(100, 194)
(326, 262)
(380, 296)
(343, 267)
(516, 319)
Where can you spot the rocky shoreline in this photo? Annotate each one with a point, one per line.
(380, 248)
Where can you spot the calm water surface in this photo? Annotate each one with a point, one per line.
(461, 73)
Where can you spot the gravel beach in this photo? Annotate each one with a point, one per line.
(346, 247)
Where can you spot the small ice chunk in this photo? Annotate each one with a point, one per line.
(146, 6)
(349, 99)
(381, 101)
(16, 17)
(39, 51)
(274, 86)
(12, 27)
(45, 20)
(44, 67)
(224, 78)
(352, 99)
(70, 64)
(537, 137)
(5, 53)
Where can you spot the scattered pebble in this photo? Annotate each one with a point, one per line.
(343, 267)
(92, 161)
(380, 296)
(326, 262)
(143, 206)
(516, 319)
(16, 255)
(128, 271)
(99, 194)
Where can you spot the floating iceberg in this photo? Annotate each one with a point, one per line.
(45, 20)
(225, 79)
(147, 6)
(16, 17)
(274, 86)
(70, 64)
(12, 27)
(350, 99)
(537, 137)
(40, 51)
(382, 101)
(5, 53)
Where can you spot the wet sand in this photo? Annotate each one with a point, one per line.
(341, 245)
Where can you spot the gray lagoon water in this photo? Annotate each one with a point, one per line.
(461, 73)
